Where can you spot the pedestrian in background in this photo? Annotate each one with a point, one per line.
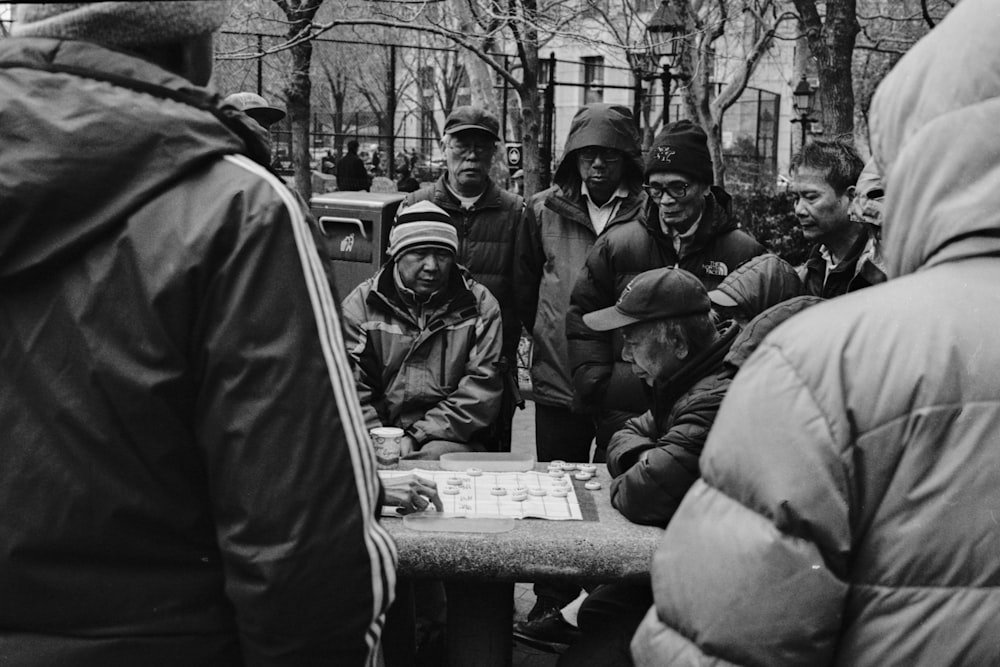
(352, 175)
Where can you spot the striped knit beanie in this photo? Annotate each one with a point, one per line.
(420, 225)
(121, 24)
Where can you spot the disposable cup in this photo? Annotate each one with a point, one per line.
(388, 442)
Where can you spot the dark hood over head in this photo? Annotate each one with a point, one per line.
(607, 126)
(89, 135)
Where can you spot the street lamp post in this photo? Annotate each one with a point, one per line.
(802, 101)
(656, 56)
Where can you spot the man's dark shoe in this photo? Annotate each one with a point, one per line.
(550, 632)
(543, 606)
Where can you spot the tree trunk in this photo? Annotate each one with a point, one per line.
(831, 43)
(297, 92)
(836, 81)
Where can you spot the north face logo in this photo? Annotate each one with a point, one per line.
(663, 154)
(716, 269)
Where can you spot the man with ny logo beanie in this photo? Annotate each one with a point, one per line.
(688, 225)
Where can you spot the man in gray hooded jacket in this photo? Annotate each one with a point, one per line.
(598, 184)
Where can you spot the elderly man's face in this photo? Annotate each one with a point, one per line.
(425, 270)
(679, 198)
(654, 357)
(469, 155)
(823, 215)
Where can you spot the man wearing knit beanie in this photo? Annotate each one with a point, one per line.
(426, 340)
(686, 224)
(694, 216)
(186, 479)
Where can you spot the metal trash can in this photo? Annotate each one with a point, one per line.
(355, 227)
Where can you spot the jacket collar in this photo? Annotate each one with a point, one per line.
(572, 206)
(453, 303)
(705, 363)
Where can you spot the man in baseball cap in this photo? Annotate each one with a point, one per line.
(486, 218)
(671, 340)
(256, 107)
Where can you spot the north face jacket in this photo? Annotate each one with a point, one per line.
(554, 241)
(437, 379)
(486, 244)
(601, 378)
(850, 494)
(185, 477)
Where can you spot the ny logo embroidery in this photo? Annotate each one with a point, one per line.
(663, 154)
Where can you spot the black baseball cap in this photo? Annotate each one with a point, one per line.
(653, 295)
(472, 118)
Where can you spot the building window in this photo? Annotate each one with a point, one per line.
(593, 79)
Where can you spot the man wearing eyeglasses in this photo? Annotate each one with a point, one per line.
(689, 225)
(486, 218)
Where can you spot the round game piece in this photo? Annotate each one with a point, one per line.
(518, 490)
(592, 485)
(450, 490)
(498, 491)
(455, 481)
(474, 472)
(537, 491)
(556, 474)
(519, 497)
(560, 492)
(583, 475)
(558, 463)
(587, 467)
(569, 467)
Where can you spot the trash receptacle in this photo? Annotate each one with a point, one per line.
(355, 227)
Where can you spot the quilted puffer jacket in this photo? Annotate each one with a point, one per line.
(849, 506)
(487, 234)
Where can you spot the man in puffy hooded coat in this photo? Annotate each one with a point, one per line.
(598, 185)
(185, 477)
(850, 496)
(690, 226)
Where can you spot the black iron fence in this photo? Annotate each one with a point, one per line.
(393, 98)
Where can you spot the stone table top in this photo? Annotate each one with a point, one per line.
(606, 550)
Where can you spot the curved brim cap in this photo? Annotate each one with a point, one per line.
(266, 116)
(472, 118)
(653, 295)
(720, 298)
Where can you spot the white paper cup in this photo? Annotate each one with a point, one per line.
(388, 443)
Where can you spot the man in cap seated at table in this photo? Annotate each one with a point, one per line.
(673, 344)
(426, 339)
